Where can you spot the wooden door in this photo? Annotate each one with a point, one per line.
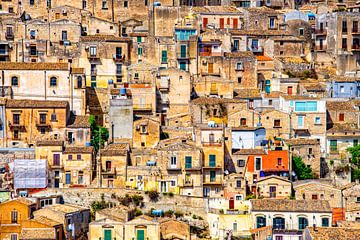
(235, 23)
(221, 23)
(231, 203)
(210, 67)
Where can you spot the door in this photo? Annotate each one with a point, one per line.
(231, 203)
(140, 234)
(221, 23)
(210, 67)
(183, 51)
(56, 183)
(300, 121)
(235, 23)
(110, 183)
(107, 234)
(272, 191)
(205, 22)
(163, 186)
(289, 90)
(206, 192)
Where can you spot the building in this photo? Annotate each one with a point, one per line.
(273, 187)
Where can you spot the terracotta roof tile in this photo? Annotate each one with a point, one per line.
(37, 233)
(115, 149)
(286, 205)
(205, 100)
(27, 103)
(247, 54)
(77, 70)
(47, 221)
(49, 143)
(77, 121)
(302, 141)
(247, 93)
(88, 150)
(264, 58)
(250, 152)
(106, 38)
(334, 233)
(33, 66)
(348, 106)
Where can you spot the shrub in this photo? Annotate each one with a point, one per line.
(178, 214)
(153, 195)
(171, 194)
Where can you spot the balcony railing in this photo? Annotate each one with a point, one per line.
(320, 31)
(188, 183)
(118, 58)
(255, 49)
(212, 181)
(109, 171)
(355, 47)
(320, 48)
(173, 168)
(43, 124)
(9, 35)
(93, 72)
(216, 144)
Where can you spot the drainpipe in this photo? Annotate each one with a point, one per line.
(45, 84)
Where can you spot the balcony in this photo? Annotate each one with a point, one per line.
(9, 36)
(188, 182)
(355, 47)
(109, 171)
(320, 48)
(211, 73)
(211, 144)
(17, 125)
(118, 58)
(41, 124)
(57, 166)
(320, 31)
(183, 54)
(93, 72)
(210, 181)
(212, 167)
(93, 56)
(255, 49)
(142, 107)
(355, 31)
(173, 168)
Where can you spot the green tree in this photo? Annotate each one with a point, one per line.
(355, 161)
(99, 134)
(302, 171)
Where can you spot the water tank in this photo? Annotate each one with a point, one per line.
(88, 144)
(122, 91)
(157, 212)
(110, 81)
(267, 86)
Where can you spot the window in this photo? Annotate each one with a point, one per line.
(344, 26)
(140, 51)
(301, 31)
(258, 163)
(239, 79)
(136, 75)
(14, 81)
(32, 2)
(53, 82)
(277, 123)
(164, 56)
(358, 199)
(279, 161)
(341, 117)
(270, 102)
(314, 197)
(344, 43)
(188, 162)
(79, 82)
(272, 22)
(118, 54)
(126, 4)
(80, 177)
(78, 157)
(212, 160)
(33, 50)
(240, 163)
(13, 236)
(300, 121)
(317, 120)
(14, 216)
(260, 222)
(83, 4)
(68, 178)
(70, 157)
(243, 122)
(16, 134)
(342, 89)
(64, 35)
(173, 161)
(42, 118)
(93, 51)
(236, 44)
(238, 183)
(16, 118)
(279, 223)
(138, 39)
(212, 176)
(238, 197)
(183, 66)
(325, 222)
(32, 34)
(303, 223)
(355, 142)
(104, 4)
(56, 159)
(310, 151)
(239, 66)
(234, 226)
(107, 234)
(11, 10)
(310, 106)
(333, 145)
(278, 237)
(172, 183)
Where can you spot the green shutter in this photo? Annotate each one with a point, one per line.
(212, 176)
(188, 162)
(212, 160)
(140, 51)
(138, 39)
(333, 145)
(140, 234)
(107, 234)
(164, 57)
(183, 51)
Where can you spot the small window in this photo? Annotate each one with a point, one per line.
(310, 151)
(239, 66)
(42, 130)
(53, 82)
(341, 117)
(136, 76)
(270, 102)
(301, 31)
(32, 2)
(239, 79)
(78, 157)
(126, 4)
(32, 34)
(139, 39)
(14, 81)
(173, 183)
(238, 183)
(325, 222)
(277, 123)
(279, 161)
(84, 4)
(140, 51)
(317, 120)
(243, 122)
(314, 197)
(240, 163)
(342, 89)
(104, 4)
(70, 157)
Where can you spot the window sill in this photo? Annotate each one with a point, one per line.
(277, 127)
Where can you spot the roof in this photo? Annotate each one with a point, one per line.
(287, 39)
(177, 146)
(302, 141)
(296, 60)
(77, 70)
(24, 201)
(106, 38)
(88, 150)
(37, 233)
(273, 94)
(47, 221)
(76, 121)
(337, 78)
(264, 58)
(287, 205)
(250, 152)
(49, 143)
(246, 54)
(215, 9)
(315, 88)
(65, 208)
(27, 103)
(205, 100)
(173, 229)
(115, 149)
(343, 127)
(118, 213)
(260, 33)
(299, 97)
(33, 66)
(273, 176)
(340, 106)
(334, 233)
(247, 93)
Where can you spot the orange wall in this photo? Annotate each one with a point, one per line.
(270, 161)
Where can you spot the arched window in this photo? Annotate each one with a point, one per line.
(53, 82)
(79, 82)
(14, 81)
(303, 223)
(260, 221)
(279, 223)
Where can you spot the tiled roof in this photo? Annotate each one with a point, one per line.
(343, 127)
(24, 201)
(287, 39)
(22, 103)
(205, 100)
(115, 149)
(215, 9)
(118, 213)
(302, 141)
(315, 88)
(77, 121)
(343, 79)
(295, 60)
(77, 70)
(47, 221)
(286, 205)
(334, 233)
(33, 66)
(88, 150)
(37, 233)
(247, 93)
(250, 152)
(260, 33)
(274, 176)
(264, 58)
(239, 54)
(66, 208)
(49, 143)
(273, 94)
(262, 9)
(106, 38)
(340, 106)
(299, 97)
